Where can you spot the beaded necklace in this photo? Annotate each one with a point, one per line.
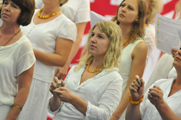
(46, 16)
(93, 71)
(125, 41)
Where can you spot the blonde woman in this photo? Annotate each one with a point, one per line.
(52, 35)
(131, 19)
(92, 89)
(152, 7)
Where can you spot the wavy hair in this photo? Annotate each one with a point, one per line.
(111, 58)
(156, 6)
(138, 26)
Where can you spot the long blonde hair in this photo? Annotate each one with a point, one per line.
(156, 6)
(111, 58)
(178, 7)
(138, 29)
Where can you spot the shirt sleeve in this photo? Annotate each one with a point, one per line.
(68, 30)
(26, 58)
(107, 104)
(83, 12)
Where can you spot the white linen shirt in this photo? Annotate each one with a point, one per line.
(102, 92)
(149, 111)
(14, 60)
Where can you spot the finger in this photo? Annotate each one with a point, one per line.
(132, 89)
(63, 83)
(136, 83)
(54, 84)
(56, 79)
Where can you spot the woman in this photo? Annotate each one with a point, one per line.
(16, 57)
(131, 18)
(52, 36)
(93, 87)
(78, 11)
(164, 64)
(157, 105)
(152, 7)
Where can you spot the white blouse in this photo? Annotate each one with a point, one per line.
(14, 60)
(149, 111)
(102, 92)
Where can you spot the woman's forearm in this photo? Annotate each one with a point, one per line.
(166, 112)
(133, 112)
(54, 103)
(50, 59)
(20, 101)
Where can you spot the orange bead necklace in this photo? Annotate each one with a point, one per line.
(93, 71)
(46, 16)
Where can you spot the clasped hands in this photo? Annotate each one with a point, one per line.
(62, 93)
(155, 94)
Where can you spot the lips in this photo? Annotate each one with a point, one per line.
(92, 46)
(177, 58)
(121, 15)
(4, 14)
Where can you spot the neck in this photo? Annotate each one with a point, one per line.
(49, 9)
(178, 80)
(9, 28)
(126, 29)
(97, 62)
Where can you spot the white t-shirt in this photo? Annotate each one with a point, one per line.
(14, 59)
(77, 11)
(149, 111)
(149, 39)
(43, 38)
(102, 92)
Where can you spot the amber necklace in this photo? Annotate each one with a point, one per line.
(46, 16)
(93, 71)
(125, 41)
(11, 38)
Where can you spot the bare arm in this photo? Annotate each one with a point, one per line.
(62, 71)
(24, 82)
(138, 61)
(63, 47)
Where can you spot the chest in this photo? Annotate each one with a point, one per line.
(86, 75)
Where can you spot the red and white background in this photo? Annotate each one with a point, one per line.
(108, 8)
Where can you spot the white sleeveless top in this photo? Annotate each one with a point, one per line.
(126, 62)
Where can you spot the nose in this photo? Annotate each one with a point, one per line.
(93, 39)
(7, 6)
(123, 9)
(179, 52)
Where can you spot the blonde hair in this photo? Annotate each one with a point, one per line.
(178, 7)
(111, 58)
(156, 6)
(138, 26)
(62, 2)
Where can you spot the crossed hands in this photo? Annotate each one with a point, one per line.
(60, 92)
(155, 94)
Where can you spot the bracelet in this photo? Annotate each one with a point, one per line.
(135, 102)
(17, 106)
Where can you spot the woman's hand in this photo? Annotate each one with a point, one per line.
(155, 96)
(137, 88)
(62, 71)
(53, 86)
(64, 94)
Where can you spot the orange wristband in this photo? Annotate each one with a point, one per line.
(135, 102)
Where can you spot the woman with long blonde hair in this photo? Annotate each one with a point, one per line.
(131, 19)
